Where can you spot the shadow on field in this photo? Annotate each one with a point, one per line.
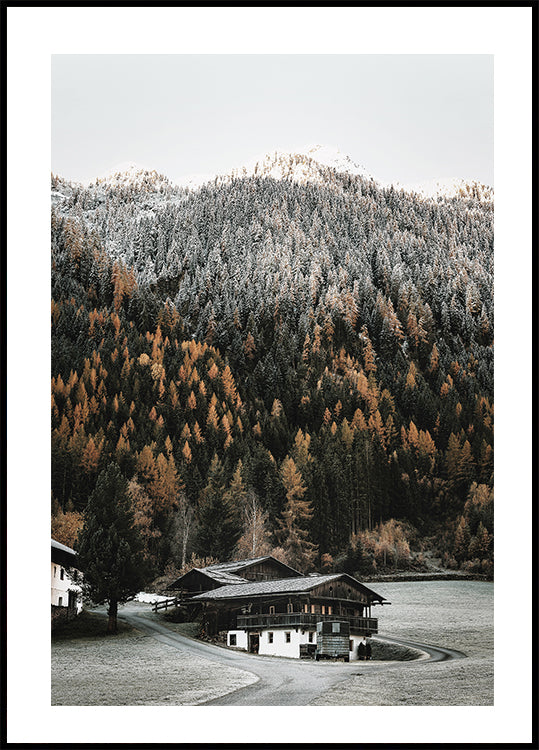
(382, 651)
(90, 625)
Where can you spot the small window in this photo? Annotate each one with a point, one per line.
(60, 601)
(289, 608)
(311, 636)
(270, 637)
(305, 607)
(330, 610)
(61, 574)
(287, 637)
(323, 609)
(232, 638)
(336, 627)
(272, 610)
(312, 609)
(55, 571)
(351, 646)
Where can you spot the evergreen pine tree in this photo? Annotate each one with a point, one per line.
(219, 527)
(109, 547)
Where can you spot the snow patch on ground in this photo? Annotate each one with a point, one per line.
(194, 181)
(147, 598)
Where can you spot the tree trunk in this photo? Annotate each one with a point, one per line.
(187, 517)
(112, 626)
(254, 529)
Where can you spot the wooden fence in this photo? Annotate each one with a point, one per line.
(174, 601)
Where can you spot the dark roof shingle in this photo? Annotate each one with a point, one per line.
(235, 565)
(280, 586)
(222, 576)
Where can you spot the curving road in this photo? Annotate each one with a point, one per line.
(281, 682)
(435, 653)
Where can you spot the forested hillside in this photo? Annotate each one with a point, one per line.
(296, 364)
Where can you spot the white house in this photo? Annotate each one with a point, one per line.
(66, 598)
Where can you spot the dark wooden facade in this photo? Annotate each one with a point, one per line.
(195, 582)
(269, 569)
(342, 598)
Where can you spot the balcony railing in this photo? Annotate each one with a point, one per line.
(304, 619)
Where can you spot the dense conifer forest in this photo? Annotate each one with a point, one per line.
(302, 367)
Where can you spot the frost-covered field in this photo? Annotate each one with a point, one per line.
(136, 670)
(454, 614)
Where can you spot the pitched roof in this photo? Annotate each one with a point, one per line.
(237, 565)
(63, 547)
(226, 573)
(281, 586)
(62, 554)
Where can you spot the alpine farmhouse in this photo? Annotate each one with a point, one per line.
(266, 607)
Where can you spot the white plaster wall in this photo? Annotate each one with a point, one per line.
(241, 639)
(280, 647)
(61, 588)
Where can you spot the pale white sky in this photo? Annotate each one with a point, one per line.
(404, 117)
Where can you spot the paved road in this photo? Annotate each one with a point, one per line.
(281, 682)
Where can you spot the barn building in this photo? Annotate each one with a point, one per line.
(266, 607)
(199, 580)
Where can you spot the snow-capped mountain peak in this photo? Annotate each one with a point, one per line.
(128, 173)
(304, 164)
(332, 157)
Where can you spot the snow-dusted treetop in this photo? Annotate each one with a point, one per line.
(128, 173)
(452, 187)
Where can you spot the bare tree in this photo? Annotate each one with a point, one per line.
(182, 528)
(254, 540)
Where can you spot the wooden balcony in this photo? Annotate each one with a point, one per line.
(305, 620)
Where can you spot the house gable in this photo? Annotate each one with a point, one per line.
(266, 569)
(346, 587)
(200, 580)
